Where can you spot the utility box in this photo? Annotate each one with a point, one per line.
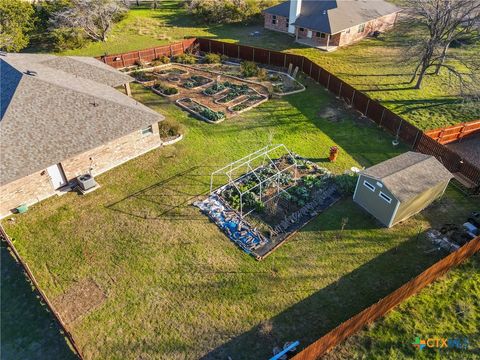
(86, 182)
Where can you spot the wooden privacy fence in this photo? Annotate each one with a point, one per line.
(372, 313)
(455, 132)
(131, 58)
(391, 122)
(68, 335)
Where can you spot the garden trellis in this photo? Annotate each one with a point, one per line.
(253, 166)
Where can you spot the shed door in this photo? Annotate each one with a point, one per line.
(57, 177)
(309, 34)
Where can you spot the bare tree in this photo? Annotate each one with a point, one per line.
(93, 17)
(444, 22)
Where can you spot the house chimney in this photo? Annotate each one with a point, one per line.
(295, 8)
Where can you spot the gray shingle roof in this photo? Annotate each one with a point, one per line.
(54, 108)
(331, 17)
(409, 174)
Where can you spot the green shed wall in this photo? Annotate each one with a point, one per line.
(372, 202)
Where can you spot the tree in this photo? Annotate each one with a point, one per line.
(93, 17)
(444, 22)
(16, 19)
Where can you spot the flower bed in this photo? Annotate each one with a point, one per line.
(195, 81)
(201, 111)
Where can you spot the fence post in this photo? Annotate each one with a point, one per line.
(238, 46)
(123, 60)
(209, 45)
(171, 51)
(366, 109)
(253, 56)
(311, 64)
(223, 48)
(319, 72)
(139, 57)
(285, 60)
(381, 118)
(269, 54)
(353, 96)
(328, 81)
(340, 89)
(414, 145)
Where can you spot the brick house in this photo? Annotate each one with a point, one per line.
(62, 117)
(327, 24)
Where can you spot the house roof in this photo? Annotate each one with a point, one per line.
(53, 108)
(331, 17)
(409, 174)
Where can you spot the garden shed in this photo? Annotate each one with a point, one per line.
(400, 187)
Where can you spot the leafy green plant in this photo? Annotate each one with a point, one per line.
(212, 58)
(249, 68)
(346, 183)
(165, 89)
(160, 61)
(214, 89)
(185, 59)
(169, 128)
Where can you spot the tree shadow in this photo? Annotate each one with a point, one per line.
(27, 326)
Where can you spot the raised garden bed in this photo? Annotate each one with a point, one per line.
(293, 191)
(195, 81)
(164, 90)
(235, 91)
(251, 101)
(172, 71)
(201, 111)
(143, 77)
(214, 89)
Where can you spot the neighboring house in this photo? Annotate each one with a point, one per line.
(62, 117)
(327, 24)
(398, 188)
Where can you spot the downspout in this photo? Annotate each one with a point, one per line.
(328, 41)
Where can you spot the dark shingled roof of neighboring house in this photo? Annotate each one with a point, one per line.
(332, 17)
(53, 108)
(409, 174)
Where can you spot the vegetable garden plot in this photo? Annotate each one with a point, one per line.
(270, 194)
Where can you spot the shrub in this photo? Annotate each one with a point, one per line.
(249, 68)
(185, 59)
(227, 11)
(169, 128)
(67, 38)
(165, 89)
(212, 58)
(140, 63)
(346, 183)
(161, 60)
(262, 74)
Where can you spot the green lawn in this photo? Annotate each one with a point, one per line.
(28, 329)
(375, 66)
(176, 287)
(446, 309)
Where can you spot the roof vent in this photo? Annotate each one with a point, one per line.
(31, 73)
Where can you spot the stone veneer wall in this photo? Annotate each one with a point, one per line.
(37, 186)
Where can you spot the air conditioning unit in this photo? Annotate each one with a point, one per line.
(86, 182)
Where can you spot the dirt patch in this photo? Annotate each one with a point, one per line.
(79, 300)
(331, 114)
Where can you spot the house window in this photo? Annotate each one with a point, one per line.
(361, 28)
(322, 35)
(385, 197)
(302, 29)
(368, 185)
(274, 19)
(147, 131)
(288, 22)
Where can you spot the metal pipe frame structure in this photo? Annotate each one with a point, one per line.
(264, 154)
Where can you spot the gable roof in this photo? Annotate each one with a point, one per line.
(409, 174)
(333, 16)
(53, 108)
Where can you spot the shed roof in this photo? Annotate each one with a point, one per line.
(333, 16)
(409, 174)
(53, 108)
